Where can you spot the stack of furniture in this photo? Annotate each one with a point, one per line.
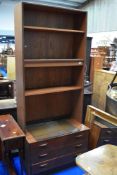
(50, 53)
(103, 127)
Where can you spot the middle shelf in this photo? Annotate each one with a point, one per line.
(52, 62)
(51, 90)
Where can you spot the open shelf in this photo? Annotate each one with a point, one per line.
(51, 90)
(47, 29)
(52, 62)
(57, 128)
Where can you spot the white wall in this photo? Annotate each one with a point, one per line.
(102, 16)
(6, 21)
(7, 18)
(102, 24)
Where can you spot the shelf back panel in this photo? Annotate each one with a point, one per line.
(36, 78)
(48, 106)
(43, 45)
(53, 18)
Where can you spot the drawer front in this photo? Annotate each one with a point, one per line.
(59, 142)
(42, 167)
(14, 144)
(107, 141)
(44, 154)
(108, 132)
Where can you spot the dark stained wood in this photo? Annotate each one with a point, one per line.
(54, 17)
(48, 155)
(52, 77)
(53, 63)
(19, 65)
(9, 129)
(51, 29)
(48, 106)
(50, 45)
(72, 129)
(77, 104)
(41, 167)
(48, 77)
(50, 148)
(11, 138)
(50, 86)
(51, 90)
(81, 133)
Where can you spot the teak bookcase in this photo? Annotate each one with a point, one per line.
(50, 54)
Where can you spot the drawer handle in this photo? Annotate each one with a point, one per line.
(78, 146)
(109, 132)
(43, 155)
(43, 165)
(43, 145)
(106, 140)
(79, 136)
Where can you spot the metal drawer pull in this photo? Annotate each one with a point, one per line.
(43, 145)
(109, 132)
(106, 140)
(43, 155)
(78, 145)
(79, 136)
(43, 165)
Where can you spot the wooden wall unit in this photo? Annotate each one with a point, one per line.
(50, 55)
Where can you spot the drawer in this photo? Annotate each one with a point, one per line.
(44, 155)
(108, 132)
(17, 143)
(38, 168)
(104, 141)
(59, 142)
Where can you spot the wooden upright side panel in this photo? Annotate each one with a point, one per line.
(19, 65)
(80, 52)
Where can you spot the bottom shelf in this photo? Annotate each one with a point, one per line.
(52, 129)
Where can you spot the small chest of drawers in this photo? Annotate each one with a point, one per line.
(101, 133)
(50, 153)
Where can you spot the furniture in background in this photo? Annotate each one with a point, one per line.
(88, 57)
(103, 127)
(8, 106)
(6, 89)
(102, 79)
(87, 83)
(11, 65)
(50, 53)
(96, 63)
(11, 139)
(87, 98)
(102, 160)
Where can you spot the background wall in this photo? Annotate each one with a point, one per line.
(102, 25)
(102, 15)
(7, 18)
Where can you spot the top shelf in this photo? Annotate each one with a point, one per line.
(46, 29)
